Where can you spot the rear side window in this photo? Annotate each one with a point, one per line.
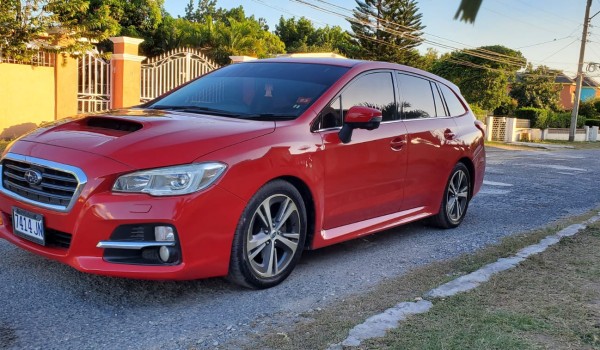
(454, 105)
(439, 105)
(416, 97)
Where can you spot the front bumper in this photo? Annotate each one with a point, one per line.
(205, 223)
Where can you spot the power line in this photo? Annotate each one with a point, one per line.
(482, 53)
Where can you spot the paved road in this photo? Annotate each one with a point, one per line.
(46, 305)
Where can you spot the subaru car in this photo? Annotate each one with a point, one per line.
(236, 173)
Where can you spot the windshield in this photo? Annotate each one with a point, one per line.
(254, 90)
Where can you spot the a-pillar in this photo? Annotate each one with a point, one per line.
(65, 86)
(126, 67)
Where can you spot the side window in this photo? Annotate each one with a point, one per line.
(331, 115)
(416, 97)
(439, 105)
(454, 105)
(374, 90)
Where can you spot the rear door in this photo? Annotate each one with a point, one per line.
(432, 150)
(364, 178)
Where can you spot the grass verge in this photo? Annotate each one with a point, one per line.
(575, 145)
(319, 329)
(551, 301)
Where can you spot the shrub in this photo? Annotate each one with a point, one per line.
(533, 114)
(596, 104)
(480, 113)
(592, 122)
(558, 120)
(588, 109)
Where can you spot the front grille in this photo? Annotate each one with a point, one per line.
(56, 187)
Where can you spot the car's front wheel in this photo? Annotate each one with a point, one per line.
(270, 236)
(455, 201)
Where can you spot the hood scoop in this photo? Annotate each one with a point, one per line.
(122, 125)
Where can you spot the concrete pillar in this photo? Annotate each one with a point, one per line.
(126, 72)
(511, 128)
(65, 86)
(489, 125)
(544, 134)
(594, 134)
(587, 133)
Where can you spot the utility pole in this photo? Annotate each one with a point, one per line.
(579, 82)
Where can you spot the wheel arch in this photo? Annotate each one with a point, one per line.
(471, 167)
(309, 204)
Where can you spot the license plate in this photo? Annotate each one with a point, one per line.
(29, 225)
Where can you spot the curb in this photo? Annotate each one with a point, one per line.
(376, 326)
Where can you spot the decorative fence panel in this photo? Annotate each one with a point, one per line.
(499, 129)
(94, 84)
(166, 72)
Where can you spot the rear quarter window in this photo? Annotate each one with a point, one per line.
(455, 107)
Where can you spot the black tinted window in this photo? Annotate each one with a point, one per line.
(416, 97)
(454, 105)
(374, 90)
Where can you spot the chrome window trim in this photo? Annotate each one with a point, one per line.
(78, 173)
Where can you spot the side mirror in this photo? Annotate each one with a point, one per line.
(359, 117)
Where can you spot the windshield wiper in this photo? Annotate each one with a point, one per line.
(270, 116)
(196, 109)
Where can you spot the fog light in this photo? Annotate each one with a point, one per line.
(164, 234)
(167, 254)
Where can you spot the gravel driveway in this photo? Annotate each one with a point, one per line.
(47, 305)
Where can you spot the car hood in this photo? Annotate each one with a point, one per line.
(149, 138)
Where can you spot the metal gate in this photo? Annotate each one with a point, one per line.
(167, 71)
(499, 129)
(93, 94)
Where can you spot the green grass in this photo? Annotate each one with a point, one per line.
(461, 322)
(551, 301)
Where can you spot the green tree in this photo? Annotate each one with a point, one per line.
(244, 37)
(204, 9)
(536, 88)
(482, 74)
(69, 25)
(387, 30)
(300, 35)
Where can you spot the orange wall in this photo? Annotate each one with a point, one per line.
(26, 95)
(567, 93)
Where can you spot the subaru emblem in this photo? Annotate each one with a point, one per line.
(33, 177)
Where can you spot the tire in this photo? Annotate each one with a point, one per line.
(269, 238)
(455, 200)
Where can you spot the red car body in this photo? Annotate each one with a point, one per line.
(382, 178)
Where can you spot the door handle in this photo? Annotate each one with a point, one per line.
(397, 143)
(449, 135)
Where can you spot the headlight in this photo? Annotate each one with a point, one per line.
(171, 181)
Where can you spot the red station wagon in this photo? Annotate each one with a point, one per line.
(237, 172)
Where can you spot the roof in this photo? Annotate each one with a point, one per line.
(363, 65)
(589, 82)
(312, 54)
(563, 79)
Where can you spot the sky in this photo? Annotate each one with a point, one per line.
(547, 32)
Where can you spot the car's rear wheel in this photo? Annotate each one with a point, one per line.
(455, 201)
(269, 238)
